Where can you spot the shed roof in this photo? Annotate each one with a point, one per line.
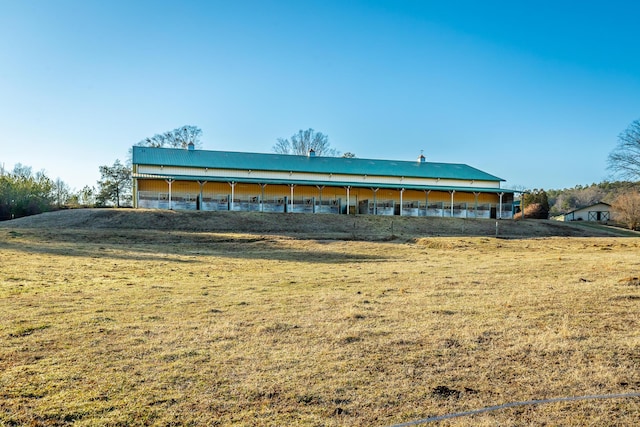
(312, 164)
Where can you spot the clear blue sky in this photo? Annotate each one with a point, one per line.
(535, 92)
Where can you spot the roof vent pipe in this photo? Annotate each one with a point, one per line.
(312, 153)
(190, 146)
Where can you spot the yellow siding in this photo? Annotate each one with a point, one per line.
(185, 187)
(153, 185)
(216, 189)
(245, 191)
(488, 198)
(276, 191)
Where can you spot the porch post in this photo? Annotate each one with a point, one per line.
(233, 194)
(134, 192)
(201, 184)
(452, 193)
(426, 201)
(475, 209)
(262, 186)
(348, 198)
(375, 200)
(169, 181)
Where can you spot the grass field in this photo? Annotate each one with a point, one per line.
(108, 319)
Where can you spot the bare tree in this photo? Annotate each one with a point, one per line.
(306, 140)
(61, 191)
(177, 138)
(626, 208)
(624, 160)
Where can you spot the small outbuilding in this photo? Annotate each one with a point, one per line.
(599, 212)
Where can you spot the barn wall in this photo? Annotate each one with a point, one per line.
(242, 190)
(213, 173)
(583, 214)
(246, 196)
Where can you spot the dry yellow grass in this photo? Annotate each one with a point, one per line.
(120, 327)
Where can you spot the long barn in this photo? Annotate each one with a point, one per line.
(166, 178)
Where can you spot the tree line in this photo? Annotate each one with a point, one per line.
(623, 196)
(24, 193)
(570, 199)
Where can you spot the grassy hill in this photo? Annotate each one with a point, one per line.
(360, 227)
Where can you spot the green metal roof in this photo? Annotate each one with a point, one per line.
(317, 164)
